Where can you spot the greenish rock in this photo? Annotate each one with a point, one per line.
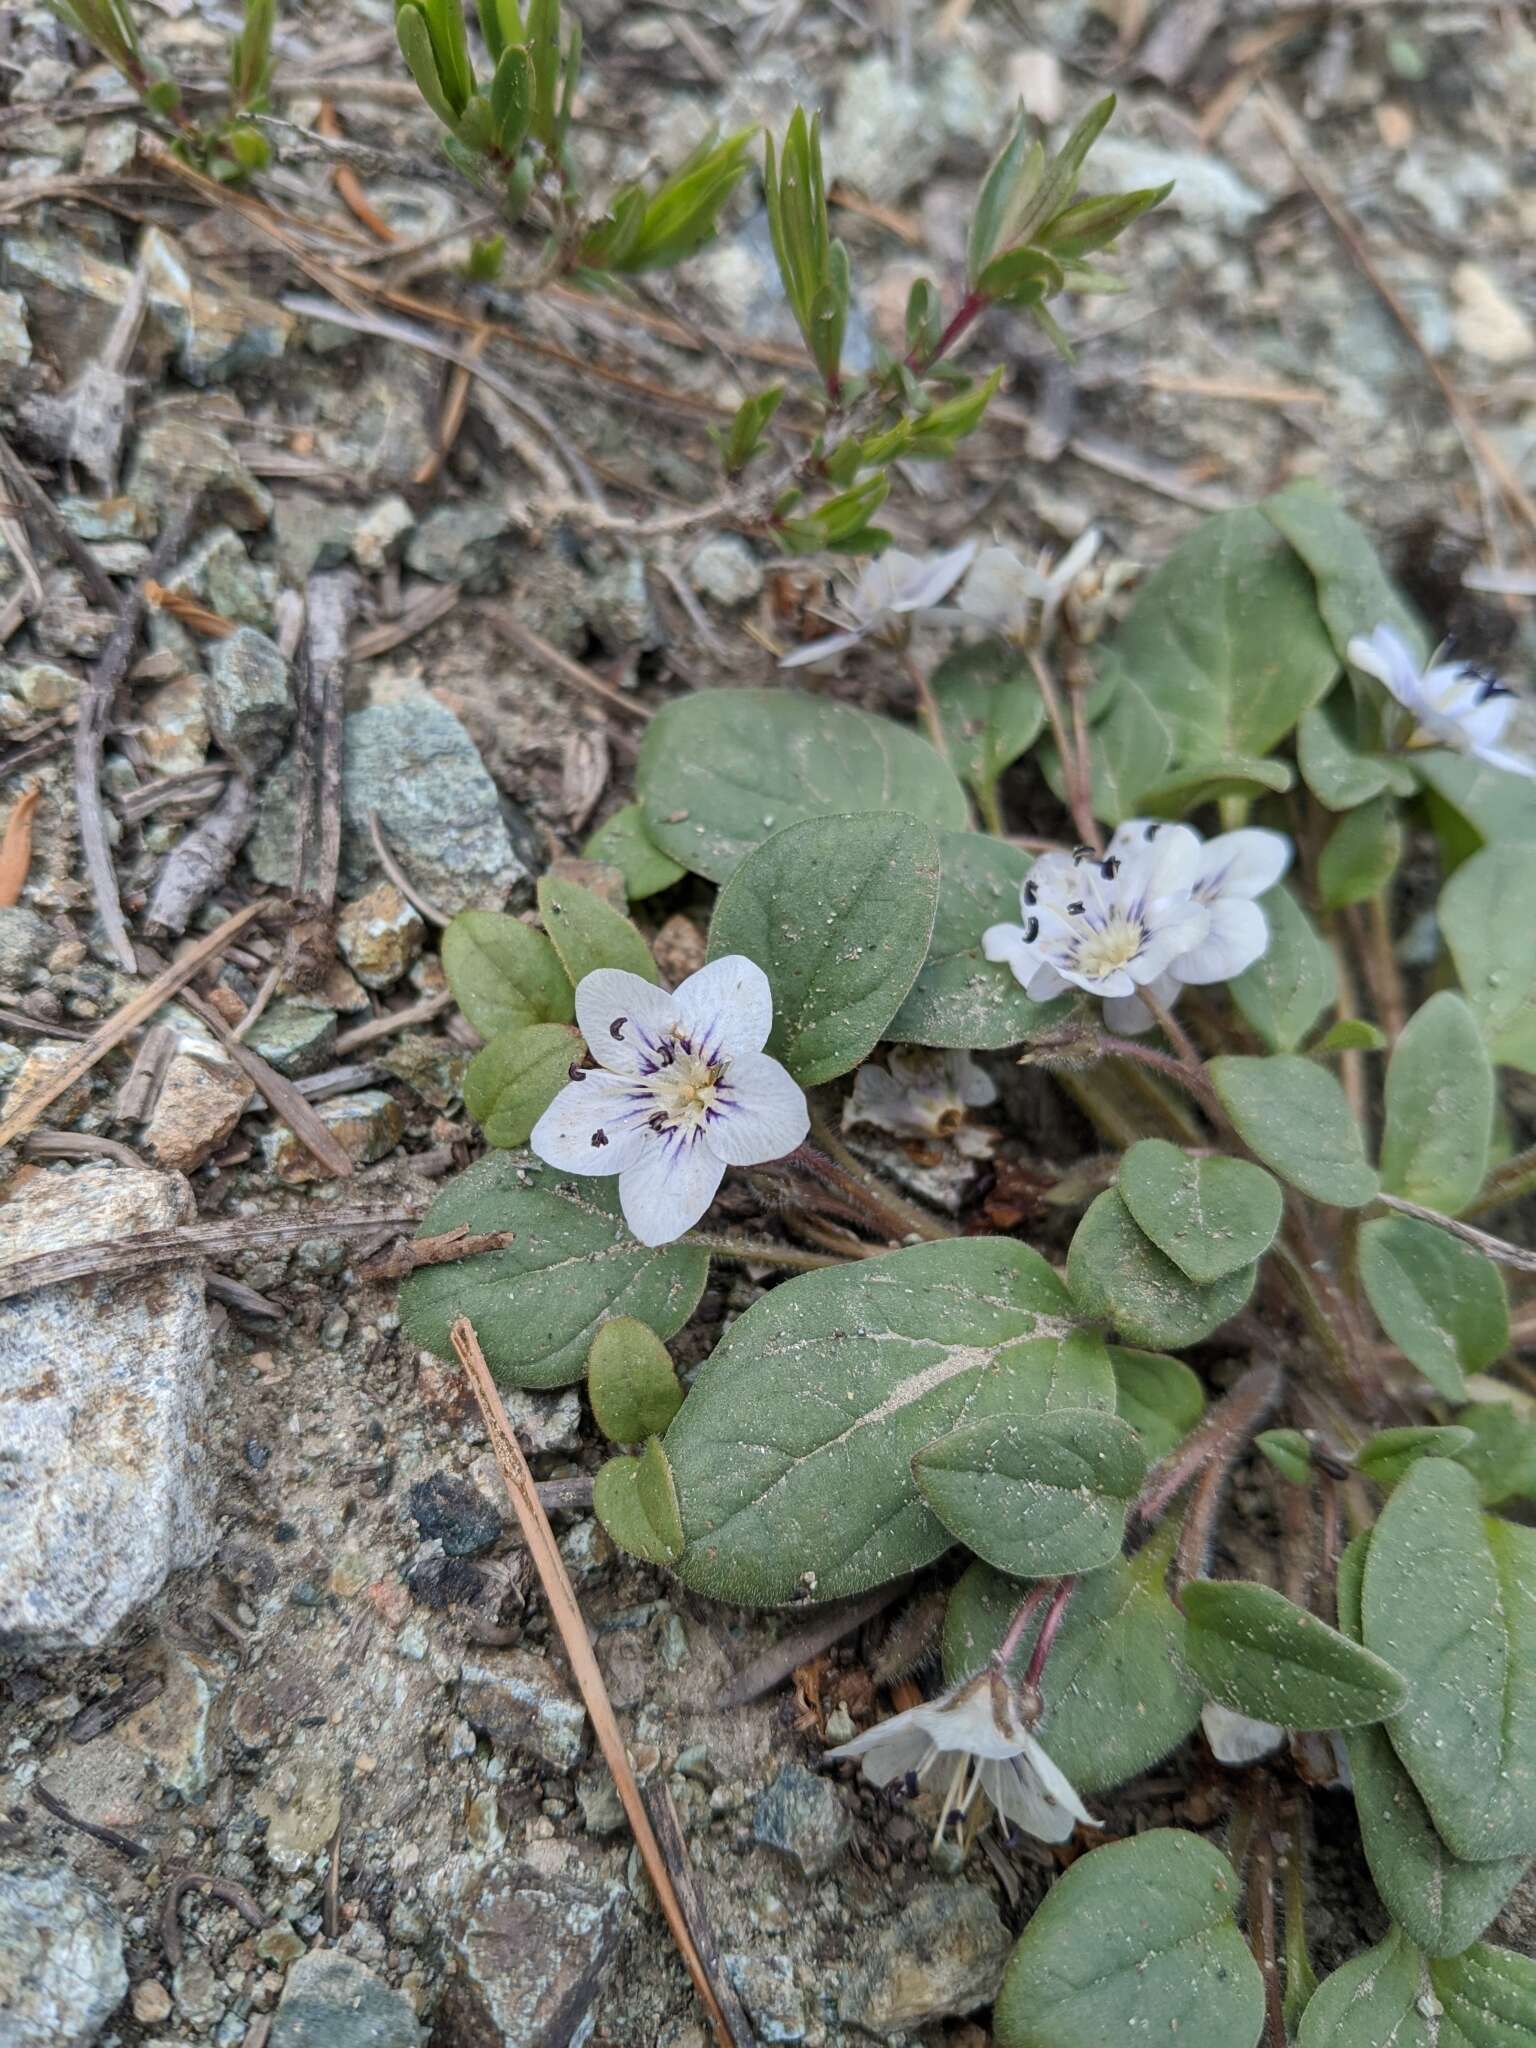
(518, 1702)
(534, 1952)
(379, 429)
(223, 576)
(108, 518)
(42, 685)
(376, 536)
(217, 332)
(801, 1816)
(725, 567)
(248, 699)
(366, 1126)
(621, 605)
(939, 1958)
(26, 940)
(15, 340)
(174, 457)
(61, 1957)
(766, 1987)
(294, 1038)
(464, 544)
(430, 1067)
(441, 815)
(311, 532)
(333, 2001)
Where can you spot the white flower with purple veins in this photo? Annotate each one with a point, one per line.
(979, 1729)
(1231, 872)
(682, 1089)
(1002, 592)
(1107, 926)
(1453, 703)
(887, 599)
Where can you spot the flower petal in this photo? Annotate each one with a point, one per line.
(1386, 655)
(1238, 935)
(1237, 1738)
(1244, 863)
(891, 1749)
(726, 1008)
(1173, 935)
(1000, 589)
(1513, 764)
(596, 1125)
(1004, 942)
(1172, 860)
(1031, 1793)
(760, 1112)
(622, 1018)
(927, 582)
(820, 650)
(1127, 1015)
(669, 1185)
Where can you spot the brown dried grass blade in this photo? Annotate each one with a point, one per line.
(16, 847)
(540, 1538)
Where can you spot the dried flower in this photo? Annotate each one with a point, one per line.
(885, 600)
(1002, 592)
(1236, 1738)
(924, 1094)
(1453, 703)
(681, 1091)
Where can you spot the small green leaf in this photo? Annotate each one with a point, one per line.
(838, 913)
(631, 1383)
(1210, 1216)
(1260, 1654)
(1488, 1996)
(512, 1081)
(623, 843)
(1386, 1456)
(1352, 1034)
(512, 98)
(1130, 749)
(1361, 855)
(1116, 1272)
(1449, 1598)
(636, 1502)
(1036, 1497)
(1293, 1114)
(1116, 1694)
(1206, 782)
(1354, 592)
(990, 707)
(537, 1303)
(1288, 988)
(1136, 1942)
(1334, 766)
(588, 933)
(1289, 1452)
(960, 998)
(1495, 952)
(1502, 1454)
(1375, 2000)
(415, 39)
(1158, 1396)
(1442, 1303)
(1439, 1108)
(1472, 805)
(504, 975)
(721, 770)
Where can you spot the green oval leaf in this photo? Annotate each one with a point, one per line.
(721, 770)
(990, 708)
(1449, 1598)
(1354, 592)
(1260, 1654)
(1339, 772)
(1472, 805)
(636, 1502)
(1386, 1456)
(588, 933)
(537, 1303)
(838, 913)
(504, 975)
(1116, 1694)
(1136, 1942)
(1442, 1303)
(961, 999)
(1488, 1997)
(1288, 988)
(793, 1449)
(510, 1083)
(1037, 1497)
(1210, 1216)
(1495, 952)
(623, 843)
(1373, 2001)
(1361, 854)
(1158, 1396)
(1293, 1114)
(631, 1382)
(1115, 1272)
(1439, 1108)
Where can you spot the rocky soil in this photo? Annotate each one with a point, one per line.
(288, 1755)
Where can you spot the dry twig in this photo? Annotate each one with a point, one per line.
(197, 865)
(279, 1093)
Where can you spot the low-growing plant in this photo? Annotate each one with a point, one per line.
(1296, 1143)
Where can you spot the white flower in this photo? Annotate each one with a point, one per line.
(1235, 1738)
(885, 599)
(682, 1089)
(1106, 926)
(980, 1725)
(923, 1094)
(1231, 871)
(1002, 591)
(1453, 703)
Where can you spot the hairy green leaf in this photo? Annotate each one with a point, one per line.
(1442, 1303)
(1262, 1655)
(1210, 1216)
(1287, 989)
(631, 1381)
(588, 933)
(510, 1083)
(1158, 1396)
(1293, 1114)
(636, 1502)
(1361, 855)
(1116, 1272)
(622, 842)
(1494, 951)
(504, 975)
(1439, 1108)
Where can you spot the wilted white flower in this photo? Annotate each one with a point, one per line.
(681, 1091)
(980, 1726)
(1235, 1738)
(886, 599)
(1453, 703)
(1002, 592)
(921, 1093)
(1105, 926)
(1231, 872)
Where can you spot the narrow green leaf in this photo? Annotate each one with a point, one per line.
(631, 1382)
(588, 933)
(1210, 1216)
(1502, 1454)
(512, 1081)
(512, 98)
(504, 975)
(1386, 1456)
(1293, 1114)
(1352, 1034)
(415, 40)
(1012, 178)
(1289, 1452)
(1262, 1655)
(1442, 1303)
(1136, 1942)
(1286, 990)
(1333, 764)
(1375, 2000)
(838, 913)
(1116, 1272)
(636, 1502)
(1354, 592)
(1206, 782)
(1439, 1108)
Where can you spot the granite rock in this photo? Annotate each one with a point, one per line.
(534, 1953)
(248, 699)
(61, 1958)
(331, 2001)
(939, 1958)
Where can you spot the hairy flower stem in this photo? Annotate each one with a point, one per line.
(892, 1211)
(1261, 1914)
(1218, 1441)
(1076, 782)
(1162, 1063)
(748, 1253)
(1023, 1615)
(991, 809)
(1301, 1273)
(1499, 1249)
(928, 705)
(1054, 1615)
(1509, 1182)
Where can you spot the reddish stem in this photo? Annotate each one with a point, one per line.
(1065, 1588)
(1033, 1600)
(972, 306)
